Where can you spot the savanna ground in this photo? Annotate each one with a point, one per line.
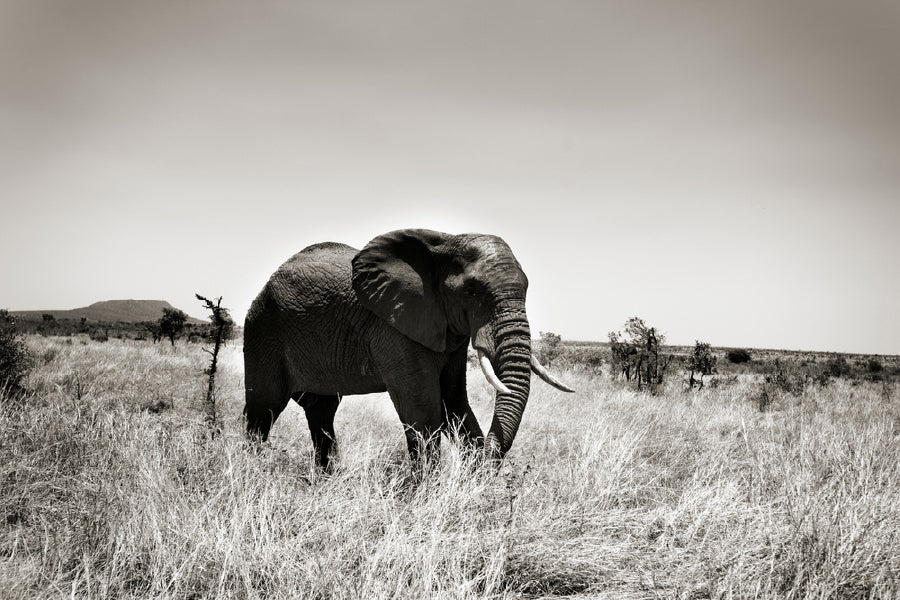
(113, 487)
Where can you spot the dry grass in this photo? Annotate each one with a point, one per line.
(113, 488)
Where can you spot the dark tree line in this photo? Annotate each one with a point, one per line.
(173, 326)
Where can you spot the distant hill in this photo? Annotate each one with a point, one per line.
(111, 311)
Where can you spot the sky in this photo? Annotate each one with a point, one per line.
(727, 171)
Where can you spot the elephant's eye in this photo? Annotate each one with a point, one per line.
(470, 290)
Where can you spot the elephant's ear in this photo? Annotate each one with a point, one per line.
(395, 277)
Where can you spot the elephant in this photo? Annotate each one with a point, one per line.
(396, 316)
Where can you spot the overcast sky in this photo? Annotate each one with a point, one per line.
(727, 171)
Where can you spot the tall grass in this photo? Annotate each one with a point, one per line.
(112, 487)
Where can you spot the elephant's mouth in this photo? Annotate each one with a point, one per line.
(537, 368)
(503, 346)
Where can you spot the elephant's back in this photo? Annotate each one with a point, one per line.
(317, 276)
(308, 319)
(328, 248)
(326, 266)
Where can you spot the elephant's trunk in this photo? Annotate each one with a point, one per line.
(512, 359)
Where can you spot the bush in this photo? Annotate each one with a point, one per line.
(738, 356)
(15, 360)
(701, 362)
(549, 348)
(587, 358)
(787, 377)
(874, 366)
(99, 335)
(782, 378)
(838, 367)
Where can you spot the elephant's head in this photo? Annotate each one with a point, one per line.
(439, 290)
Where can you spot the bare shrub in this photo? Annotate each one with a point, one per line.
(222, 330)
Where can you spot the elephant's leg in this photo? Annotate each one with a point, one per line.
(457, 414)
(420, 410)
(262, 408)
(461, 418)
(320, 410)
(411, 374)
(261, 417)
(266, 396)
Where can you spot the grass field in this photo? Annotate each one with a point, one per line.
(113, 487)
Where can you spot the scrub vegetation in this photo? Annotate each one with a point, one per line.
(765, 483)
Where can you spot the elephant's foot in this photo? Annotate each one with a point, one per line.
(424, 450)
(320, 410)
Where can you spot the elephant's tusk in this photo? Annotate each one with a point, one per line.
(489, 374)
(546, 376)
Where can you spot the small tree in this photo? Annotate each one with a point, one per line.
(154, 331)
(171, 324)
(701, 362)
(15, 360)
(874, 366)
(222, 330)
(838, 367)
(550, 347)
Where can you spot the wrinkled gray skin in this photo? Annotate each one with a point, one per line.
(396, 316)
